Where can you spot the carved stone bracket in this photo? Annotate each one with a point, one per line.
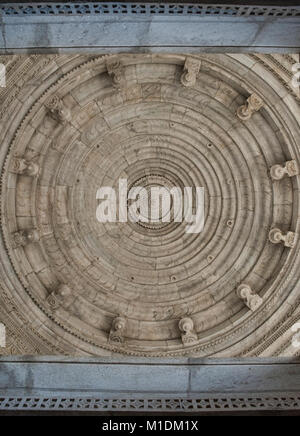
(188, 336)
(290, 168)
(116, 334)
(190, 71)
(276, 236)
(253, 104)
(24, 237)
(58, 297)
(116, 71)
(24, 167)
(57, 110)
(249, 297)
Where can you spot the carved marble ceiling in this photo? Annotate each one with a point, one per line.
(71, 285)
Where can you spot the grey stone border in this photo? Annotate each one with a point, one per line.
(149, 385)
(147, 27)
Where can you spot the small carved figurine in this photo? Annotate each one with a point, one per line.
(276, 236)
(188, 336)
(290, 168)
(116, 334)
(57, 110)
(249, 297)
(253, 104)
(116, 71)
(190, 71)
(24, 167)
(56, 299)
(24, 237)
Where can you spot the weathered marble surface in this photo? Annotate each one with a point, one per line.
(75, 123)
(127, 377)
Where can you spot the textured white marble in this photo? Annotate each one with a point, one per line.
(2, 335)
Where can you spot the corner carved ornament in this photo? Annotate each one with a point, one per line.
(116, 335)
(249, 297)
(290, 169)
(190, 71)
(253, 104)
(276, 236)
(188, 334)
(24, 167)
(57, 110)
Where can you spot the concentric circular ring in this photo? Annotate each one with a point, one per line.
(152, 132)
